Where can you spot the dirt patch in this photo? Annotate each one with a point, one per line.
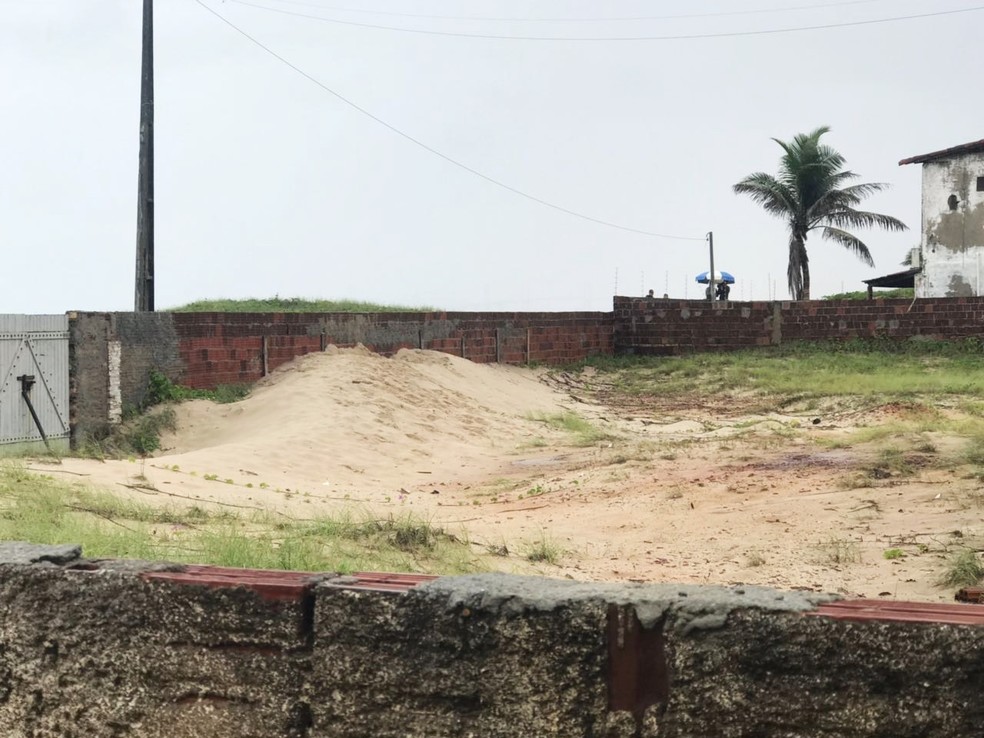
(713, 491)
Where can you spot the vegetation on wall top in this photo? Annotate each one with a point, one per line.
(896, 294)
(279, 304)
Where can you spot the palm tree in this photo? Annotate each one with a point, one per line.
(810, 193)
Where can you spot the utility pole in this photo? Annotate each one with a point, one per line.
(144, 292)
(711, 280)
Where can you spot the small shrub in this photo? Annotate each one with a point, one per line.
(544, 551)
(964, 569)
(140, 436)
(893, 553)
(754, 559)
(840, 551)
(161, 390)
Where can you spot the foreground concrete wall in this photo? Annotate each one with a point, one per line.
(105, 649)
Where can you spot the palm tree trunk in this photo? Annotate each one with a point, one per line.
(805, 266)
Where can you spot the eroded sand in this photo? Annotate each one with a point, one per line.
(682, 492)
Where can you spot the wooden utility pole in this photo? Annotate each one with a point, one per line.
(711, 280)
(144, 293)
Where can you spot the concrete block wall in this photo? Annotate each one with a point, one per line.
(942, 319)
(664, 327)
(116, 648)
(652, 326)
(226, 348)
(113, 354)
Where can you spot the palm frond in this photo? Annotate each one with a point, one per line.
(812, 189)
(835, 200)
(850, 218)
(849, 241)
(771, 194)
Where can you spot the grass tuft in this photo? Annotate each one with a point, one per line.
(964, 569)
(40, 509)
(584, 433)
(840, 551)
(543, 550)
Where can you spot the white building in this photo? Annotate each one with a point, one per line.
(950, 258)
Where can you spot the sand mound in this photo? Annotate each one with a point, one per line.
(350, 417)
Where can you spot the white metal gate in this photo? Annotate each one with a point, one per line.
(33, 366)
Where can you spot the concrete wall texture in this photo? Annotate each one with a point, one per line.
(112, 354)
(645, 326)
(205, 350)
(115, 649)
(952, 241)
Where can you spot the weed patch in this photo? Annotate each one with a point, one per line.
(964, 569)
(279, 304)
(840, 551)
(584, 433)
(40, 509)
(543, 550)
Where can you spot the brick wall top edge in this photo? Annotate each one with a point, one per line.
(399, 316)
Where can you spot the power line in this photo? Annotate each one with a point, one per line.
(678, 16)
(432, 150)
(679, 37)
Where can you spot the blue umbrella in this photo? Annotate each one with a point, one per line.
(725, 277)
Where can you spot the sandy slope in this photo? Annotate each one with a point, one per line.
(676, 494)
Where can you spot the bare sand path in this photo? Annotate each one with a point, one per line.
(673, 493)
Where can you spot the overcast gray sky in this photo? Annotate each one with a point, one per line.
(267, 184)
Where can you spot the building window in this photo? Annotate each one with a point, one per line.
(980, 184)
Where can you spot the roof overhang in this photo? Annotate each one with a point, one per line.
(899, 279)
(968, 148)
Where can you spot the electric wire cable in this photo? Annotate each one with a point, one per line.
(584, 39)
(431, 149)
(678, 16)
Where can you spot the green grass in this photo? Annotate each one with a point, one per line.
(139, 435)
(294, 305)
(894, 294)
(37, 508)
(160, 389)
(140, 432)
(584, 432)
(804, 371)
(964, 569)
(543, 551)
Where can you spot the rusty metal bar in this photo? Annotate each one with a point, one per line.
(970, 594)
(638, 676)
(901, 612)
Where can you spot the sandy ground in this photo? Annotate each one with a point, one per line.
(674, 492)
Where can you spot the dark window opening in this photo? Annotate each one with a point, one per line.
(952, 202)
(980, 184)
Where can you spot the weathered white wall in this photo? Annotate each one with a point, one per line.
(952, 240)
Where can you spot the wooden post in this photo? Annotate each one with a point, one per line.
(264, 353)
(462, 345)
(498, 347)
(144, 291)
(528, 332)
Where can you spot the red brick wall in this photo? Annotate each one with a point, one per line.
(209, 349)
(644, 326)
(228, 348)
